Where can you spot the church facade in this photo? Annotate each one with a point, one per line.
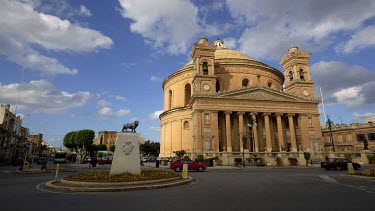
(226, 101)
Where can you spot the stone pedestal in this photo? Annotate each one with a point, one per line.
(126, 158)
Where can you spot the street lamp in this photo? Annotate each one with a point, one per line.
(330, 123)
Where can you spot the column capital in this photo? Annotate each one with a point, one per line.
(304, 115)
(254, 113)
(240, 113)
(266, 114)
(290, 115)
(228, 112)
(279, 114)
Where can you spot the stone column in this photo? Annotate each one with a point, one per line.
(304, 129)
(255, 132)
(280, 132)
(228, 131)
(198, 131)
(215, 131)
(240, 128)
(292, 133)
(268, 131)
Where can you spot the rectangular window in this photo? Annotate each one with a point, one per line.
(349, 138)
(371, 136)
(310, 122)
(360, 137)
(206, 119)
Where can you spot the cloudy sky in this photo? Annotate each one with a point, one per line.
(93, 64)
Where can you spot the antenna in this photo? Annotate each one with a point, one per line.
(324, 110)
(19, 91)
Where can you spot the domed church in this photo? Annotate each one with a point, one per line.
(224, 101)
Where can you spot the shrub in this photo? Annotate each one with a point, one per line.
(180, 153)
(371, 157)
(238, 160)
(104, 176)
(307, 155)
(249, 159)
(348, 156)
(199, 159)
(293, 161)
(279, 161)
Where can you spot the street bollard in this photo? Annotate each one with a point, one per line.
(185, 171)
(350, 168)
(57, 171)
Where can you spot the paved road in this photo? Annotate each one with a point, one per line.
(224, 189)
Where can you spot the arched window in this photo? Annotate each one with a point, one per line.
(217, 85)
(205, 68)
(170, 99)
(245, 82)
(186, 125)
(301, 76)
(269, 84)
(187, 94)
(291, 75)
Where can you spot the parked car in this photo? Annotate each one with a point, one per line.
(177, 165)
(42, 160)
(168, 159)
(144, 159)
(338, 164)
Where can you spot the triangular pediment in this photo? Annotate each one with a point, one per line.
(259, 93)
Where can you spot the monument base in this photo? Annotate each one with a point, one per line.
(126, 158)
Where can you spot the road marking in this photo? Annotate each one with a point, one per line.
(5, 171)
(361, 189)
(370, 192)
(327, 178)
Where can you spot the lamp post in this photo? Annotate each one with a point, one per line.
(329, 123)
(244, 139)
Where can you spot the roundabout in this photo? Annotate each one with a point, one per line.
(103, 182)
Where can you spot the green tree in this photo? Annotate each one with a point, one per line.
(112, 148)
(84, 138)
(102, 147)
(180, 153)
(92, 148)
(70, 140)
(150, 147)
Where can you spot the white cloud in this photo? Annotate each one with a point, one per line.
(155, 78)
(341, 83)
(103, 103)
(155, 115)
(351, 96)
(41, 96)
(84, 11)
(230, 42)
(153, 128)
(360, 117)
(119, 98)
(167, 24)
(362, 39)
(19, 36)
(273, 26)
(106, 112)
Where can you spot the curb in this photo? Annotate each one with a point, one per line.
(50, 186)
(357, 176)
(43, 171)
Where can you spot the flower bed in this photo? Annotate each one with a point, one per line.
(104, 176)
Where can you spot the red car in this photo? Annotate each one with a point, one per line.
(192, 166)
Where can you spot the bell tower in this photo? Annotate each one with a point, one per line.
(203, 55)
(296, 67)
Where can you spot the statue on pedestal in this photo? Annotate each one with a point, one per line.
(131, 126)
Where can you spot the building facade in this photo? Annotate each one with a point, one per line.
(109, 138)
(349, 138)
(13, 137)
(226, 101)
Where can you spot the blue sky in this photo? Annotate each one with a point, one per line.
(92, 64)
